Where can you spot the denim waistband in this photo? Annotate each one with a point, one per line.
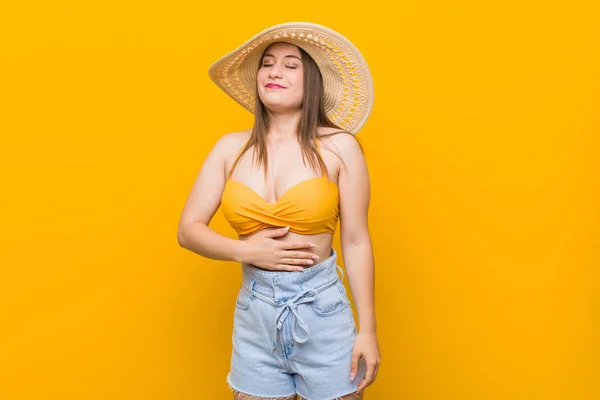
(282, 285)
(286, 290)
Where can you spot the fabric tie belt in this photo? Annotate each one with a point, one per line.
(290, 307)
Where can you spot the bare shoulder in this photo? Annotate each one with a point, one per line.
(230, 143)
(344, 145)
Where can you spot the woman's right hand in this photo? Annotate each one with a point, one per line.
(262, 250)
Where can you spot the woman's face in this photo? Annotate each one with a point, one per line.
(280, 78)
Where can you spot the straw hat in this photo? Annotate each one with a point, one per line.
(347, 82)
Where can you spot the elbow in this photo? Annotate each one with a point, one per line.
(187, 234)
(181, 238)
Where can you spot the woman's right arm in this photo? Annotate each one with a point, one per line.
(203, 202)
(194, 234)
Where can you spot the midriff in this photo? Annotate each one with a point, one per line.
(323, 241)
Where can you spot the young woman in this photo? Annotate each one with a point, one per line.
(294, 330)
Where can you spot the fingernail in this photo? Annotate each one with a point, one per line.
(315, 257)
(351, 376)
(309, 261)
(287, 228)
(313, 245)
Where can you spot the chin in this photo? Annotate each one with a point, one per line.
(280, 105)
(280, 100)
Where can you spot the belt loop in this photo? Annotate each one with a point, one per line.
(342, 271)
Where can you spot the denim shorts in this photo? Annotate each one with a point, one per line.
(293, 333)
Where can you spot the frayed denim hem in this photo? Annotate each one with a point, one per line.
(355, 394)
(256, 397)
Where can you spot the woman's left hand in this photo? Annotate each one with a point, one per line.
(366, 345)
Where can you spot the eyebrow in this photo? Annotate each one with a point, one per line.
(289, 55)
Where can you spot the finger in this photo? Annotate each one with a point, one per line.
(354, 364)
(363, 385)
(296, 261)
(299, 254)
(297, 245)
(277, 232)
(291, 268)
(368, 379)
(375, 372)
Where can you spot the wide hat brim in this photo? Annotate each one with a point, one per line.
(347, 81)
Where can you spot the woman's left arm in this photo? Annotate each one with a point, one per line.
(354, 189)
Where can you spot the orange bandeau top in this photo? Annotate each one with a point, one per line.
(309, 207)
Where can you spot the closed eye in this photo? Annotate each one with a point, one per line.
(288, 66)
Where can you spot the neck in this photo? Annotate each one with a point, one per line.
(284, 126)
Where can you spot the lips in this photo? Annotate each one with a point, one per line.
(275, 86)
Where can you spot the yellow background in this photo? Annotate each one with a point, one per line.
(484, 153)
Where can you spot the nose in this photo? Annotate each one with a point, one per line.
(275, 71)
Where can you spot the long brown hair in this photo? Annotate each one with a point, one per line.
(313, 116)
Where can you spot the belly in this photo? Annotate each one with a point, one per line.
(322, 240)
